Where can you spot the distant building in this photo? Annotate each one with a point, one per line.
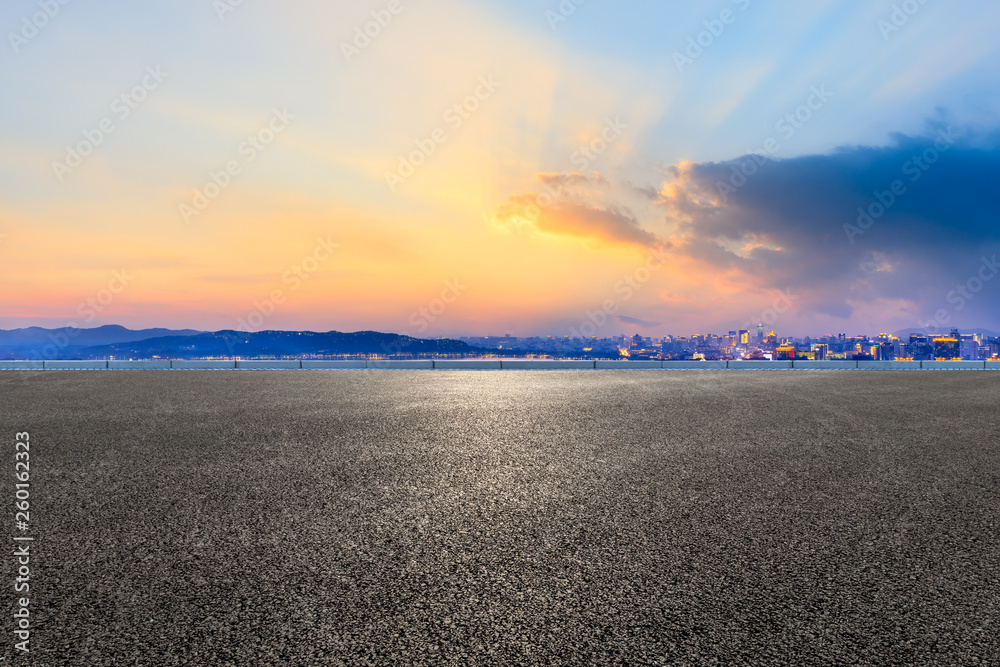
(947, 348)
(785, 352)
(920, 347)
(884, 351)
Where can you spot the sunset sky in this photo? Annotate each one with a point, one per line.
(564, 164)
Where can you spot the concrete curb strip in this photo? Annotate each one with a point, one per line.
(467, 364)
(808, 365)
(953, 365)
(330, 365)
(202, 365)
(889, 365)
(546, 365)
(268, 365)
(21, 365)
(155, 365)
(753, 365)
(75, 365)
(694, 365)
(393, 365)
(624, 365)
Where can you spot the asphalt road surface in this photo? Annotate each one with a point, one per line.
(507, 518)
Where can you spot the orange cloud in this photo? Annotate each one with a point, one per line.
(581, 205)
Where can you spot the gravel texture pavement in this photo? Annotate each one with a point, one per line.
(515, 518)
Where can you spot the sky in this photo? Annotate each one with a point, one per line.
(445, 168)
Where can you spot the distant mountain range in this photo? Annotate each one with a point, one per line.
(106, 335)
(121, 343)
(67, 342)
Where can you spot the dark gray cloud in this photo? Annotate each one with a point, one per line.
(909, 221)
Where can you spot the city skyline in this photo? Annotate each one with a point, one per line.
(115, 342)
(407, 168)
(745, 344)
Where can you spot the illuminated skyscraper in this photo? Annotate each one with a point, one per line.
(785, 352)
(947, 348)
